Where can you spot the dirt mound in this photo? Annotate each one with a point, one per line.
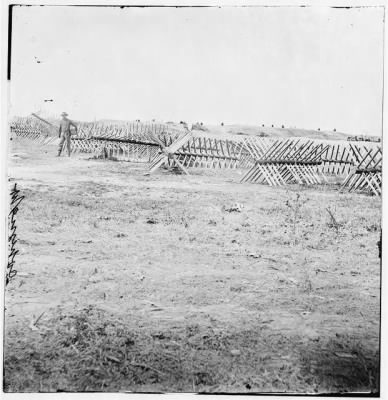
(265, 131)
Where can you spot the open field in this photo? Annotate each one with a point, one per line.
(157, 283)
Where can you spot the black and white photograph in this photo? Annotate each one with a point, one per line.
(193, 197)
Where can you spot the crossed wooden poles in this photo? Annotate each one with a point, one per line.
(167, 154)
(34, 130)
(196, 150)
(159, 144)
(129, 141)
(288, 161)
(209, 152)
(366, 175)
(337, 159)
(121, 149)
(272, 161)
(135, 142)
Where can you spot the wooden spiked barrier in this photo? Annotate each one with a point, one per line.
(288, 161)
(366, 176)
(197, 150)
(337, 159)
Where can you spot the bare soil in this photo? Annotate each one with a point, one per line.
(190, 283)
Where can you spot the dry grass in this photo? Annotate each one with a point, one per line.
(90, 350)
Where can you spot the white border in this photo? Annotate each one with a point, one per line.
(4, 90)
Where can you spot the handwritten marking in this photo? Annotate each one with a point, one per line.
(16, 199)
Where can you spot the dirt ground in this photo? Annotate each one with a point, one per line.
(128, 282)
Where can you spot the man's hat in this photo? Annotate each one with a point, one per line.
(64, 114)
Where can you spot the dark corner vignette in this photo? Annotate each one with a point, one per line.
(16, 199)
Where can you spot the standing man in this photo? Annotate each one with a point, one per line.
(65, 133)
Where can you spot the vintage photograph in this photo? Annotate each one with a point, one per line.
(194, 199)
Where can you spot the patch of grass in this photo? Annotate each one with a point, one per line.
(295, 206)
(90, 350)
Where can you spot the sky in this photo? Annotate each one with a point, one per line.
(304, 67)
